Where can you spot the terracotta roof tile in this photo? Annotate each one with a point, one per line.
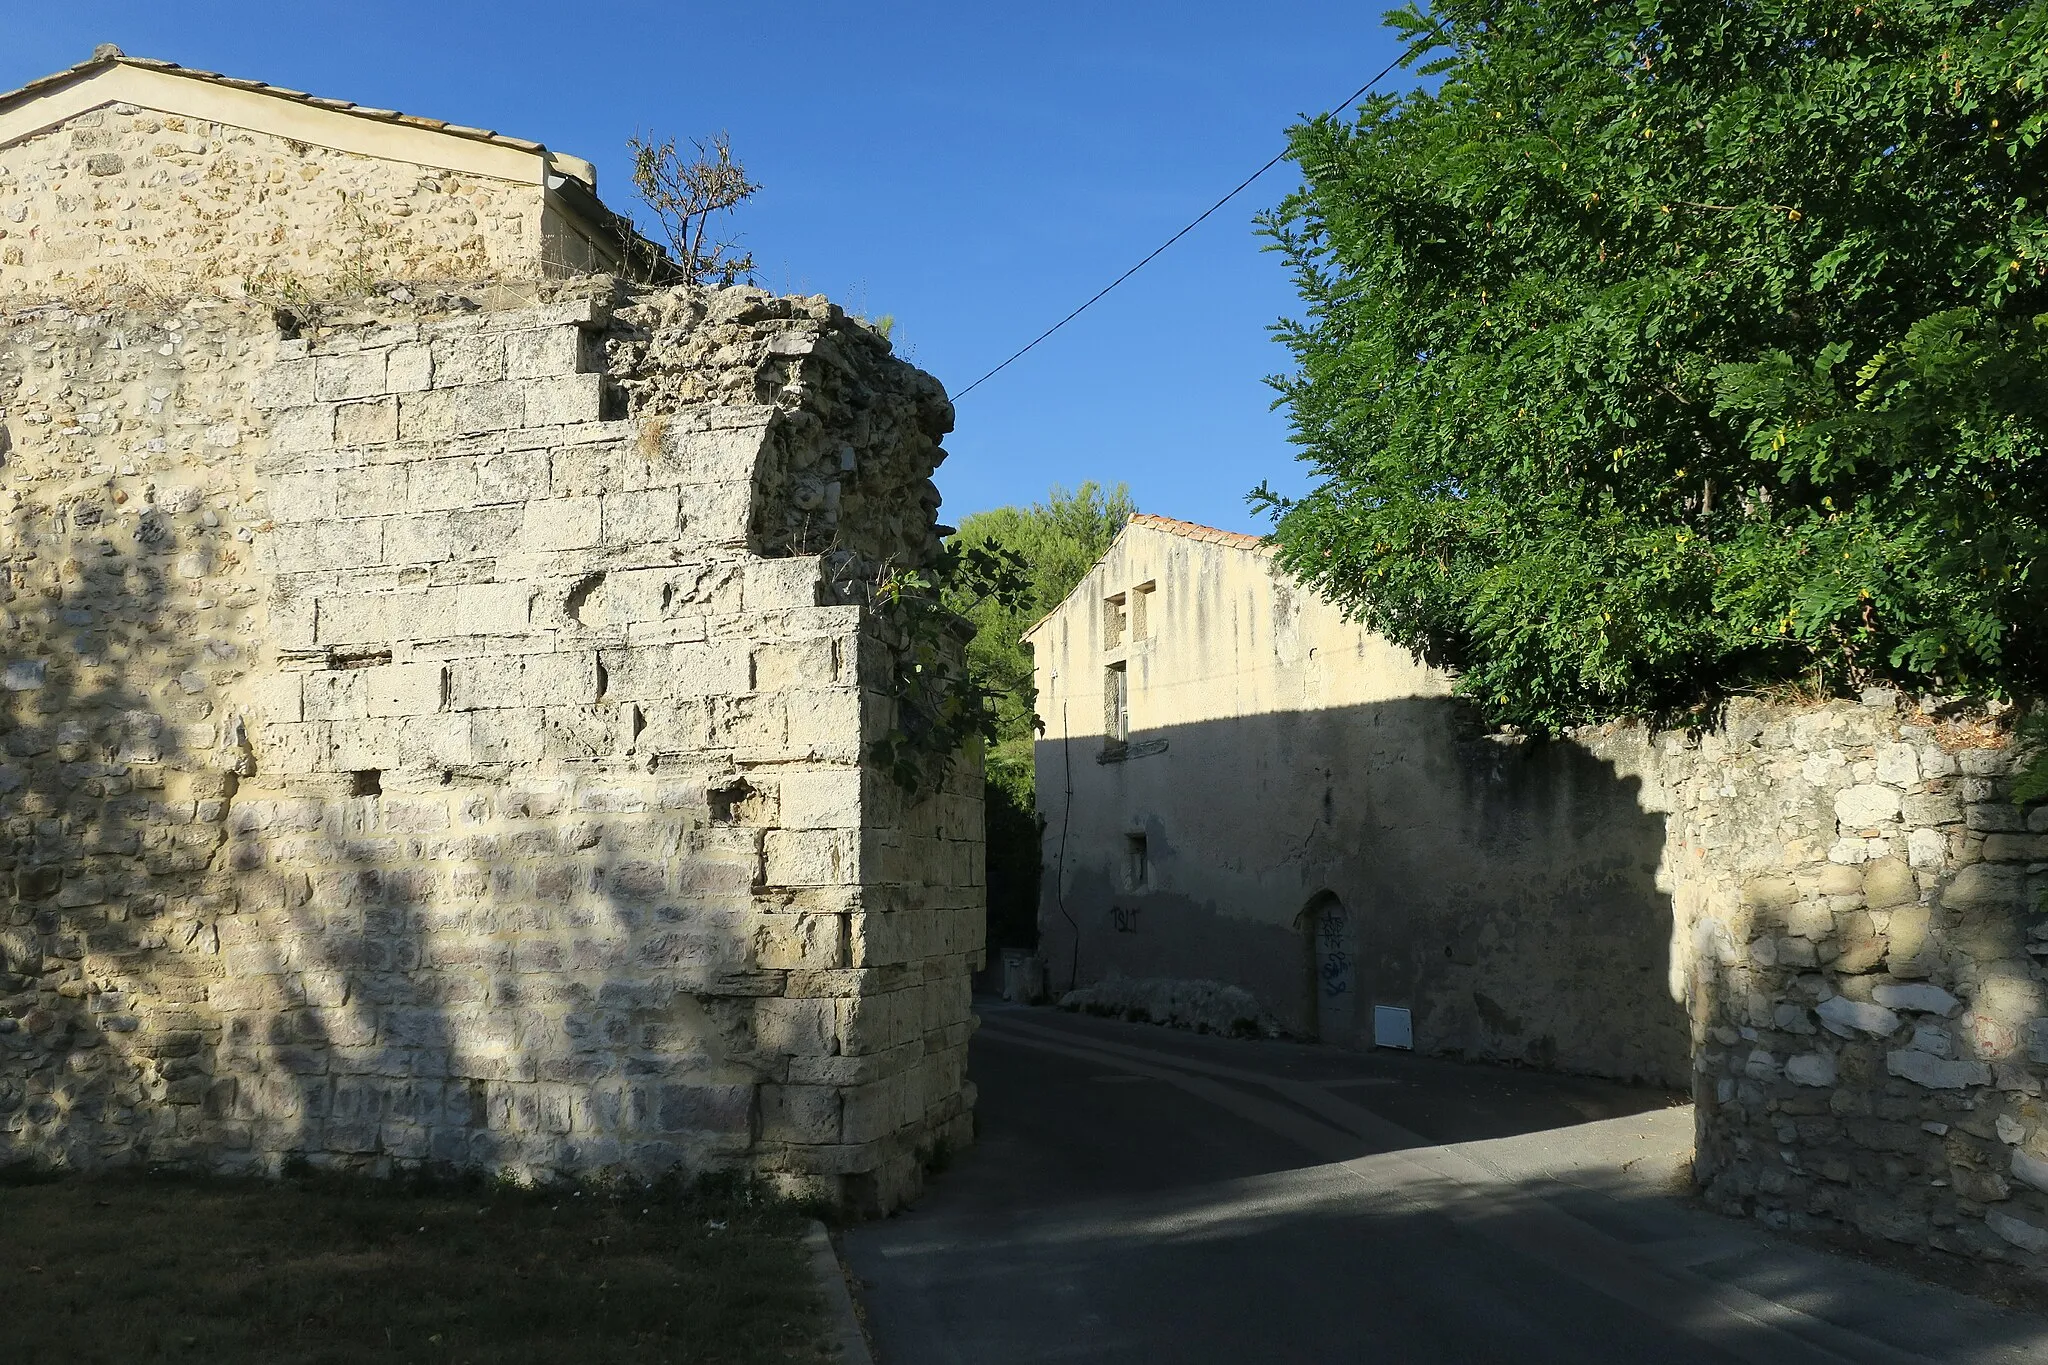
(1195, 531)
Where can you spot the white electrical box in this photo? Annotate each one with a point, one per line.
(1392, 1027)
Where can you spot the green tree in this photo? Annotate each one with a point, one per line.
(1059, 540)
(1674, 347)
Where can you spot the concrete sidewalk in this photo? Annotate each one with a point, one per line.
(1139, 1194)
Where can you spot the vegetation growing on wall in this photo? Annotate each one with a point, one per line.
(685, 193)
(1669, 348)
(941, 706)
(1059, 540)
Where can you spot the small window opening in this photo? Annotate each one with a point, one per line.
(1116, 706)
(1113, 622)
(1137, 863)
(366, 782)
(1141, 613)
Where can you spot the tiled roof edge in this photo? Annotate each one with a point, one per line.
(98, 63)
(1196, 531)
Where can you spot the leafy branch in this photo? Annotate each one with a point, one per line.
(940, 708)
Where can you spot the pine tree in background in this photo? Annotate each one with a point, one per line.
(1668, 348)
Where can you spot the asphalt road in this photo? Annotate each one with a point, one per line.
(1137, 1194)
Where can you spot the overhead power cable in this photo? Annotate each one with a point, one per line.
(1241, 187)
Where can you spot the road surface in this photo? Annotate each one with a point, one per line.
(1140, 1194)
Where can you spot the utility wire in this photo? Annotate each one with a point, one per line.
(1242, 185)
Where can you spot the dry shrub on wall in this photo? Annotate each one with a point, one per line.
(685, 194)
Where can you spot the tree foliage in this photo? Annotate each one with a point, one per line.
(1675, 347)
(1059, 541)
(940, 704)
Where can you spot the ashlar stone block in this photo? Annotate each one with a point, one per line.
(409, 368)
(371, 422)
(474, 358)
(565, 400)
(828, 798)
(555, 524)
(496, 682)
(341, 377)
(812, 857)
(298, 430)
(404, 689)
(649, 516)
(791, 582)
(297, 498)
(442, 485)
(796, 663)
(800, 1113)
(369, 490)
(543, 352)
(328, 546)
(482, 408)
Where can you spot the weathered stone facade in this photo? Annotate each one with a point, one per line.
(438, 734)
(129, 178)
(1863, 957)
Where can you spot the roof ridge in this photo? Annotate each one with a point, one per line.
(1194, 530)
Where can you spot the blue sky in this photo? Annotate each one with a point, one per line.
(973, 170)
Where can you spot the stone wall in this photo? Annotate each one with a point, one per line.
(422, 745)
(1858, 940)
(122, 199)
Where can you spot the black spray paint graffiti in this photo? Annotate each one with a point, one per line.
(1333, 960)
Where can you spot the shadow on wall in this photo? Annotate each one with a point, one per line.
(1503, 891)
(200, 966)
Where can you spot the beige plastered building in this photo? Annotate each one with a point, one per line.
(132, 174)
(1238, 784)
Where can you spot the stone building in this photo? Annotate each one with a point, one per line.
(1822, 918)
(436, 685)
(125, 173)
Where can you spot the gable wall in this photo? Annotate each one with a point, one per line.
(120, 199)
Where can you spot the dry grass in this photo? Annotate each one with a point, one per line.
(149, 1268)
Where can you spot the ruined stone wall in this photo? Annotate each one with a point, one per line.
(412, 756)
(1858, 941)
(122, 199)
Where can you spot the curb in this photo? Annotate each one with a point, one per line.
(846, 1330)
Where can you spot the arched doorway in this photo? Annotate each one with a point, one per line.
(1333, 969)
